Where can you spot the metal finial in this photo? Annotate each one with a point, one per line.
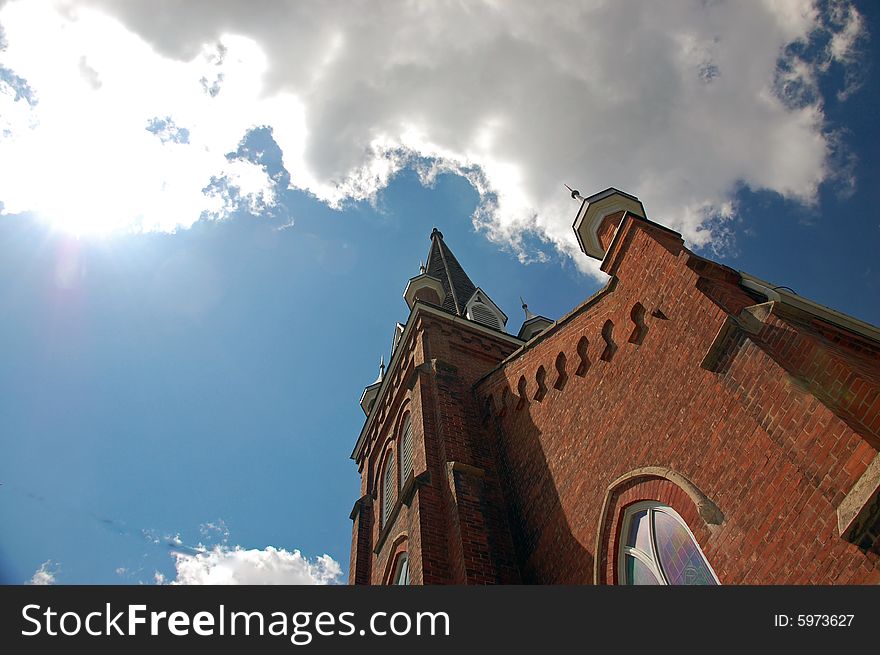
(575, 194)
(525, 307)
(437, 232)
(381, 375)
(422, 269)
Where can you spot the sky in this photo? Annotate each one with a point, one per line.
(209, 212)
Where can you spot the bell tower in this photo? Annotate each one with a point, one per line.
(431, 509)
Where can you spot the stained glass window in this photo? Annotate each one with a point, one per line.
(680, 557)
(639, 572)
(658, 548)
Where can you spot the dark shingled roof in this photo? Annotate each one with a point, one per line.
(443, 265)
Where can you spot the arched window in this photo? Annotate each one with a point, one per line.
(401, 571)
(657, 548)
(388, 487)
(406, 449)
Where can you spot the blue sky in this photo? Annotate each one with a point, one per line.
(188, 322)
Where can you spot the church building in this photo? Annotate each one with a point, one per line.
(686, 424)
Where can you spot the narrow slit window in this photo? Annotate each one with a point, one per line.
(406, 450)
(388, 488)
(401, 571)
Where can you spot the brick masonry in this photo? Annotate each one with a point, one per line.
(767, 414)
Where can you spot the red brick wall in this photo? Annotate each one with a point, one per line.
(454, 525)
(361, 557)
(475, 531)
(514, 462)
(770, 451)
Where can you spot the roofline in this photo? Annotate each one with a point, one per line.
(538, 317)
(439, 241)
(643, 219)
(419, 307)
(610, 191)
(748, 281)
(836, 318)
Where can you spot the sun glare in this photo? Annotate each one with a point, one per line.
(114, 137)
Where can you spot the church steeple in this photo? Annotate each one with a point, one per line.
(443, 265)
(444, 282)
(408, 517)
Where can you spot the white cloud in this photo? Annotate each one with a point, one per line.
(678, 102)
(237, 566)
(80, 153)
(45, 575)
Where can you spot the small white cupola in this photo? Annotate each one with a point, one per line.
(533, 325)
(424, 287)
(368, 397)
(590, 226)
(481, 309)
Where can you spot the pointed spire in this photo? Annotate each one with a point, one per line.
(525, 307)
(443, 265)
(575, 194)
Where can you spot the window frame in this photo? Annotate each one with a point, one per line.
(651, 559)
(402, 476)
(402, 559)
(386, 505)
